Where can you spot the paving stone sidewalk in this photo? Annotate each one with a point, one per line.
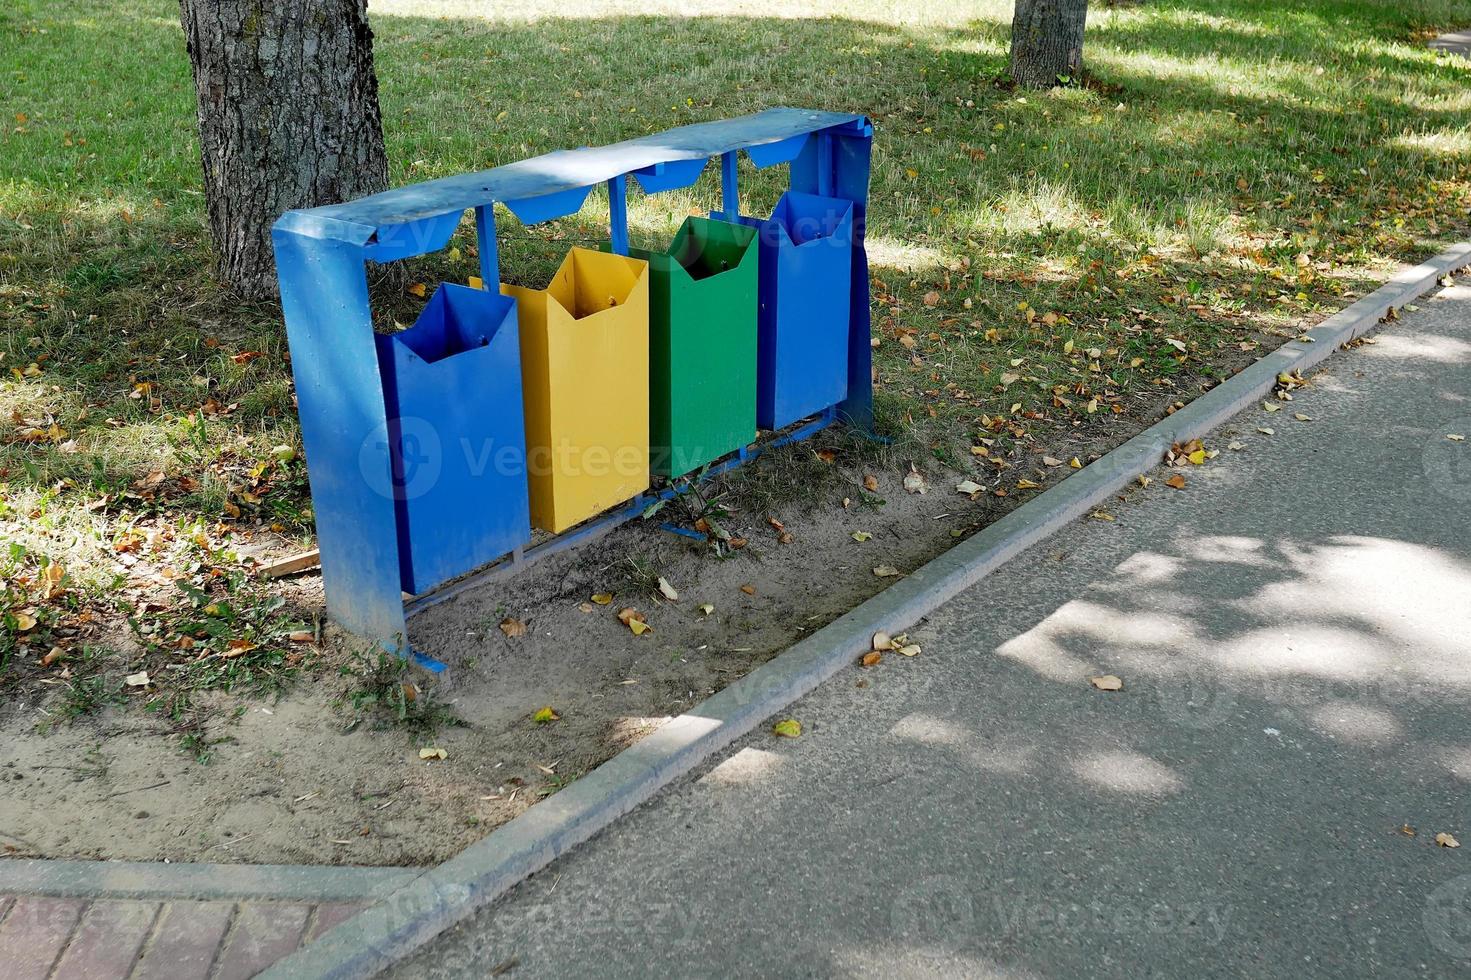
(113, 939)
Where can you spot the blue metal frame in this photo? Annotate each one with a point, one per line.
(321, 259)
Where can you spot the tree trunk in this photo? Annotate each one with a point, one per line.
(288, 118)
(1047, 42)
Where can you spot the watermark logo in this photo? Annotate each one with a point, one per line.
(417, 459)
(935, 915)
(1195, 698)
(1447, 461)
(1447, 918)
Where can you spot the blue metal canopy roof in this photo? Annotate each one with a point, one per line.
(556, 184)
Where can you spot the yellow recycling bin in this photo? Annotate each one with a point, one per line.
(585, 381)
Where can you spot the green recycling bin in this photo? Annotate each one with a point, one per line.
(702, 344)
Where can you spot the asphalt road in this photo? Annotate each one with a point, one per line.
(1293, 633)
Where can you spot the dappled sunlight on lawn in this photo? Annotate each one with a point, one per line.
(878, 11)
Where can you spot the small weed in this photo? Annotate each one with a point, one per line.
(87, 695)
(200, 746)
(383, 692)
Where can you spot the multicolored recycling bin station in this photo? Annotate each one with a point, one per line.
(434, 452)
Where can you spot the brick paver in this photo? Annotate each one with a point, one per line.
(331, 914)
(107, 941)
(34, 933)
(263, 933)
(116, 939)
(184, 941)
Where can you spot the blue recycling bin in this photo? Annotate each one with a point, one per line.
(456, 434)
(803, 297)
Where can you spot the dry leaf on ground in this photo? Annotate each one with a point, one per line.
(1107, 682)
(787, 728)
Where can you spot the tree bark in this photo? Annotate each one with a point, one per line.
(288, 118)
(1047, 42)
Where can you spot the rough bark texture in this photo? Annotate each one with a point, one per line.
(288, 118)
(1047, 41)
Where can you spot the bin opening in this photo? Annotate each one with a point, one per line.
(582, 285)
(456, 319)
(807, 217)
(705, 248)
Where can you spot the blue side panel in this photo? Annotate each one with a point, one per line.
(782, 151)
(669, 176)
(412, 237)
(534, 210)
(458, 441)
(344, 426)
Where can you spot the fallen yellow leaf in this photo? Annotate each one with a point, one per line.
(545, 716)
(435, 753)
(787, 728)
(1108, 682)
(603, 598)
(1446, 840)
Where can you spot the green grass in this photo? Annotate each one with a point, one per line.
(1232, 170)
